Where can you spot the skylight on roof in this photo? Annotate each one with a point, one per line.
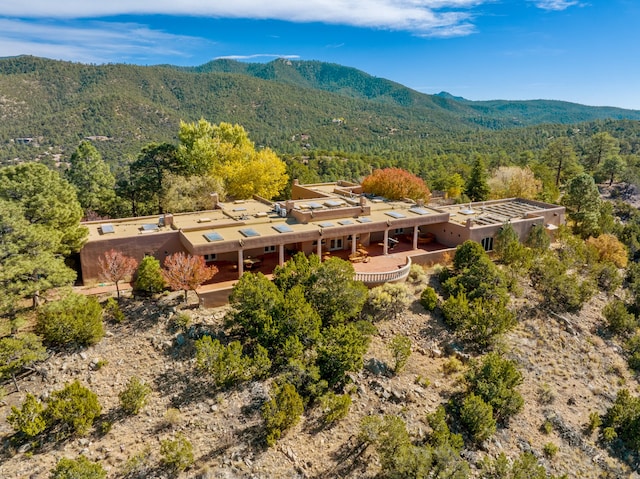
(107, 228)
(314, 206)
(149, 227)
(364, 219)
(239, 209)
(333, 203)
(213, 236)
(419, 211)
(345, 222)
(249, 233)
(395, 214)
(326, 224)
(282, 228)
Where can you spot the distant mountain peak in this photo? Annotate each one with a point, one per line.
(449, 96)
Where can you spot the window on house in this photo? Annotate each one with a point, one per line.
(399, 231)
(210, 257)
(487, 243)
(270, 249)
(335, 244)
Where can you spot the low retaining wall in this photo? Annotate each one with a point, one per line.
(215, 298)
(441, 256)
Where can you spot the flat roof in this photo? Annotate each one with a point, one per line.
(249, 219)
(492, 212)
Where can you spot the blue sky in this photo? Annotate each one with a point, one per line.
(583, 51)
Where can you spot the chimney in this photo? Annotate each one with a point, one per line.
(167, 219)
(214, 200)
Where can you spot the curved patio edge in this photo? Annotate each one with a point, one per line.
(378, 278)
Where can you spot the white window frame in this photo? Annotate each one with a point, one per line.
(336, 244)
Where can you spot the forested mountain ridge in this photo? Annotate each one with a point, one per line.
(351, 82)
(289, 106)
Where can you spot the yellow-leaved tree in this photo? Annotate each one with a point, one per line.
(514, 182)
(264, 174)
(225, 151)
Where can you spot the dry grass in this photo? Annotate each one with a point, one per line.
(570, 376)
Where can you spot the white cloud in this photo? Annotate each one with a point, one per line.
(95, 42)
(555, 5)
(423, 17)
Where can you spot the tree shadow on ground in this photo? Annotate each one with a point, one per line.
(349, 460)
(244, 442)
(184, 387)
(141, 315)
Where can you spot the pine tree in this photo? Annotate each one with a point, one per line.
(29, 259)
(92, 178)
(582, 200)
(477, 188)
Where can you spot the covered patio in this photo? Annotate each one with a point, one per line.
(381, 268)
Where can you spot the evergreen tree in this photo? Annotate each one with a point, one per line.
(582, 200)
(78, 468)
(28, 419)
(149, 277)
(600, 148)
(150, 170)
(477, 188)
(47, 200)
(29, 259)
(495, 380)
(507, 245)
(334, 293)
(73, 408)
(282, 411)
(561, 158)
(75, 319)
(92, 178)
(19, 352)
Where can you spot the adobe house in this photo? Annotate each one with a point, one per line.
(320, 218)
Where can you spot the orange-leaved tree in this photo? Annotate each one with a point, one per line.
(185, 272)
(396, 184)
(116, 266)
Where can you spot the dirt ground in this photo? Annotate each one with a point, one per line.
(569, 368)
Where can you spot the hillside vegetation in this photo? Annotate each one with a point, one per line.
(291, 107)
(287, 382)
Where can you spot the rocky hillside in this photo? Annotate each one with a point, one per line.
(570, 370)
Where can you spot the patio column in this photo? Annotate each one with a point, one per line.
(354, 242)
(319, 247)
(240, 263)
(385, 243)
(281, 254)
(416, 230)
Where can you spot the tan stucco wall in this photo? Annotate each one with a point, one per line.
(158, 245)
